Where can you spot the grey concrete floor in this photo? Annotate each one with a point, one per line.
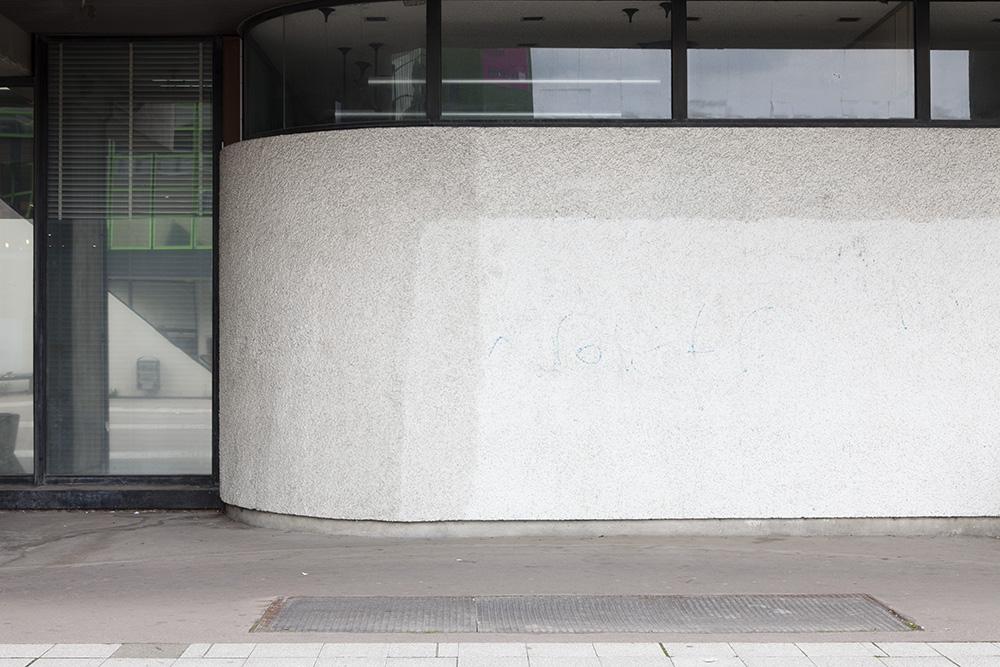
(200, 577)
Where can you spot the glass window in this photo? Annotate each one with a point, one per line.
(16, 281)
(554, 59)
(965, 60)
(129, 260)
(337, 64)
(777, 59)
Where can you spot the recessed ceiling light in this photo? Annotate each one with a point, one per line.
(532, 18)
(997, 20)
(694, 18)
(376, 19)
(849, 19)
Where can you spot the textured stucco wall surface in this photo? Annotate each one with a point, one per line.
(611, 323)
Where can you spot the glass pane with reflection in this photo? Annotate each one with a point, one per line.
(129, 258)
(16, 281)
(965, 60)
(337, 64)
(776, 59)
(556, 59)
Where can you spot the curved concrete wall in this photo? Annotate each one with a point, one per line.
(428, 324)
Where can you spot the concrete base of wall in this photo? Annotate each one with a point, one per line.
(832, 527)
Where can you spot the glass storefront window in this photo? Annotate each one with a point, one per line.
(338, 64)
(965, 60)
(777, 59)
(553, 59)
(129, 258)
(16, 281)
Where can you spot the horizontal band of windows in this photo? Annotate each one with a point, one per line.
(802, 61)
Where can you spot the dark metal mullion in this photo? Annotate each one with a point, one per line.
(678, 60)
(244, 129)
(434, 75)
(40, 226)
(217, 73)
(922, 58)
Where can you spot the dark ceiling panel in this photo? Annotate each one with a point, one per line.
(133, 17)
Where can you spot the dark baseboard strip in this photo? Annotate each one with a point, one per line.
(60, 497)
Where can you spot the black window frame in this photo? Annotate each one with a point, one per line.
(41, 489)
(679, 85)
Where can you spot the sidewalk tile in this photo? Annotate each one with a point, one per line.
(965, 661)
(701, 650)
(767, 650)
(562, 650)
(413, 650)
(230, 651)
(14, 662)
(492, 661)
(351, 662)
(842, 649)
(494, 649)
(280, 662)
(958, 649)
(421, 662)
(918, 661)
(636, 661)
(286, 651)
(81, 651)
(447, 650)
(777, 661)
(67, 662)
(348, 650)
(196, 651)
(138, 662)
(564, 661)
(707, 661)
(907, 649)
(845, 661)
(629, 650)
(209, 662)
(147, 651)
(23, 650)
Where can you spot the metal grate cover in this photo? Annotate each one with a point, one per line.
(570, 614)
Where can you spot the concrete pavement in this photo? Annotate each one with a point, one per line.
(189, 577)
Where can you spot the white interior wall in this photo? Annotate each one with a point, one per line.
(611, 323)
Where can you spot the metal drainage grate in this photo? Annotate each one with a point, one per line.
(584, 614)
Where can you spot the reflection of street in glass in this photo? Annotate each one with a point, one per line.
(151, 436)
(147, 436)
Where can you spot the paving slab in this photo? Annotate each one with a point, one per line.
(965, 649)
(23, 650)
(767, 650)
(777, 661)
(907, 649)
